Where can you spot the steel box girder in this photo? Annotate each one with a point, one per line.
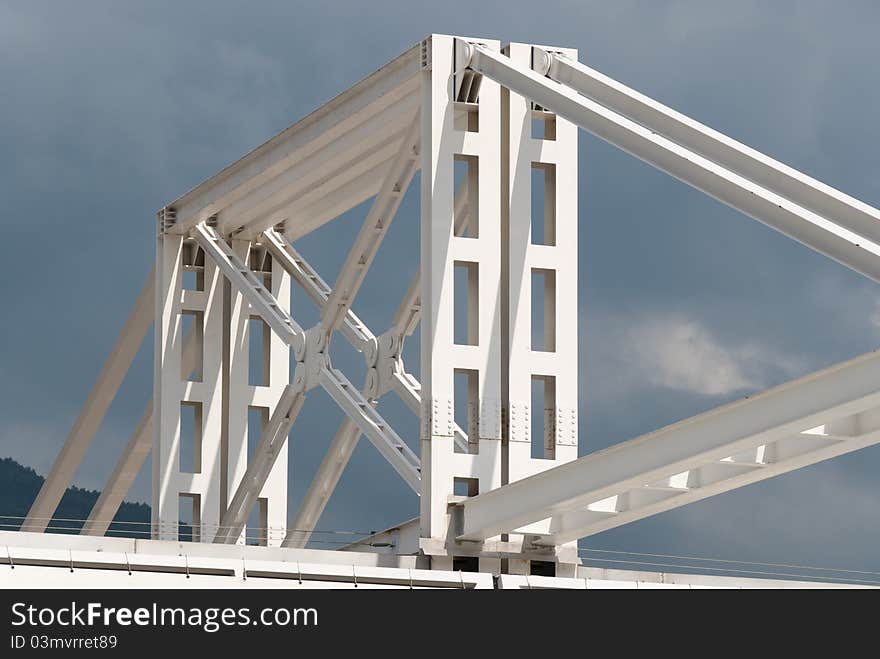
(845, 389)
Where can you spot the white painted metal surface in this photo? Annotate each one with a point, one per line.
(51, 561)
(313, 369)
(482, 124)
(478, 357)
(541, 263)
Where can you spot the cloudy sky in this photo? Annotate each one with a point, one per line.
(110, 109)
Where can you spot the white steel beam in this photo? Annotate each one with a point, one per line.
(745, 161)
(374, 230)
(540, 239)
(233, 521)
(334, 382)
(478, 356)
(833, 394)
(404, 461)
(344, 442)
(377, 430)
(358, 334)
(390, 85)
(825, 235)
(360, 144)
(370, 168)
(178, 394)
(314, 286)
(94, 410)
(407, 315)
(300, 219)
(249, 284)
(336, 459)
(708, 480)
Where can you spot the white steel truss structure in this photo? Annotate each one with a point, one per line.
(449, 102)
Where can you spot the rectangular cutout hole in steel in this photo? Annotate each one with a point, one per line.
(543, 310)
(467, 117)
(465, 487)
(466, 303)
(258, 524)
(543, 203)
(466, 393)
(194, 321)
(543, 125)
(190, 452)
(467, 170)
(259, 353)
(543, 417)
(258, 419)
(189, 528)
(193, 266)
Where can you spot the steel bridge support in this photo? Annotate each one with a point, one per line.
(492, 133)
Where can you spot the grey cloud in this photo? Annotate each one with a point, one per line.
(680, 352)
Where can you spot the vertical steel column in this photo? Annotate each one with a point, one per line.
(539, 145)
(470, 131)
(172, 388)
(166, 384)
(243, 395)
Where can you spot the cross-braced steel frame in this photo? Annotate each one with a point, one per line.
(507, 118)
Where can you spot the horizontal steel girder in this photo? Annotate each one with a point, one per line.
(817, 417)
